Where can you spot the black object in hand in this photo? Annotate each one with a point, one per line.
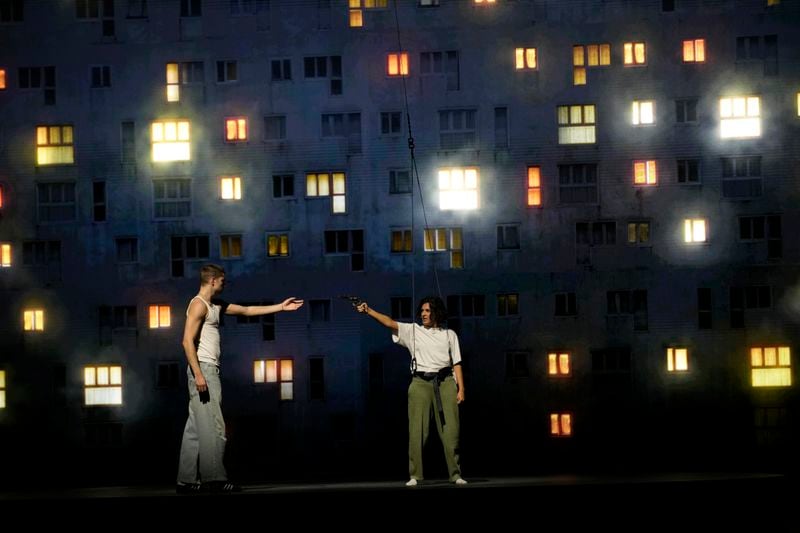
(205, 397)
(355, 300)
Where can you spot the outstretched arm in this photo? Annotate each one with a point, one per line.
(380, 317)
(289, 304)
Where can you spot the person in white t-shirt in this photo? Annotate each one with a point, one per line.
(203, 443)
(435, 361)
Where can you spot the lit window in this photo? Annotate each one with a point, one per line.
(677, 359)
(397, 64)
(560, 424)
(590, 55)
(230, 187)
(798, 104)
(278, 245)
(694, 51)
(576, 124)
(102, 385)
(321, 184)
(773, 2)
(5, 255)
(771, 366)
(534, 187)
(54, 145)
(2, 78)
(740, 117)
(643, 112)
(356, 18)
(446, 240)
(634, 54)
(2, 195)
(170, 140)
(236, 129)
(458, 188)
(644, 172)
(694, 230)
(401, 241)
(525, 58)
(2, 389)
(558, 364)
(579, 76)
(159, 316)
(173, 87)
(276, 371)
(484, 2)
(33, 319)
(230, 246)
(638, 232)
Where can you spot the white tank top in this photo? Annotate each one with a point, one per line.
(208, 348)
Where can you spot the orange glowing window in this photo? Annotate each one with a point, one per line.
(397, 64)
(2, 78)
(677, 359)
(484, 2)
(525, 58)
(558, 364)
(276, 371)
(694, 51)
(159, 316)
(2, 193)
(230, 187)
(33, 319)
(356, 18)
(644, 172)
(236, 129)
(560, 424)
(2, 389)
(771, 366)
(5, 255)
(634, 54)
(102, 385)
(534, 187)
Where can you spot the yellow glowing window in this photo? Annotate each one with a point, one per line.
(677, 359)
(694, 230)
(397, 64)
(173, 80)
(558, 364)
(576, 124)
(525, 58)
(278, 245)
(771, 366)
(236, 129)
(356, 18)
(2, 389)
(102, 385)
(534, 186)
(560, 424)
(634, 54)
(54, 145)
(159, 316)
(694, 51)
(598, 55)
(773, 2)
(2, 78)
(579, 76)
(33, 319)
(230, 246)
(5, 255)
(321, 184)
(643, 112)
(444, 239)
(458, 188)
(740, 117)
(170, 140)
(276, 371)
(644, 172)
(230, 187)
(798, 104)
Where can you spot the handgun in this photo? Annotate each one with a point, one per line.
(354, 300)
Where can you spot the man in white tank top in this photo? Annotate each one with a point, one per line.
(203, 444)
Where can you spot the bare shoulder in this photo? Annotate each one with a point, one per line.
(197, 308)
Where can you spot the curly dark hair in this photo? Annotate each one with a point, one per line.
(438, 310)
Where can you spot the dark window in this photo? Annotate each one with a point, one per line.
(401, 308)
(565, 304)
(704, 308)
(99, 201)
(517, 365)
(283, 185)
(316, 378)
(320, 310)
(168, 375)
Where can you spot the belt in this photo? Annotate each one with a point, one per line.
(435, 378)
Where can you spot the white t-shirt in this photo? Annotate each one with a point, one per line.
(433, 347)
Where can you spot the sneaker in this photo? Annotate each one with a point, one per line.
(460, 481)
(221, 487)
(187, 488)
(411, 482)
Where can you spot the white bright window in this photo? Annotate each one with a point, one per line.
(576, 124)
(102, 385)
(230, 187)
(740, 117)
(458, 188)
(694, 230)
(771, 366)
(525, 58)
(643, 112)
(170, 140)
(677, 359)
